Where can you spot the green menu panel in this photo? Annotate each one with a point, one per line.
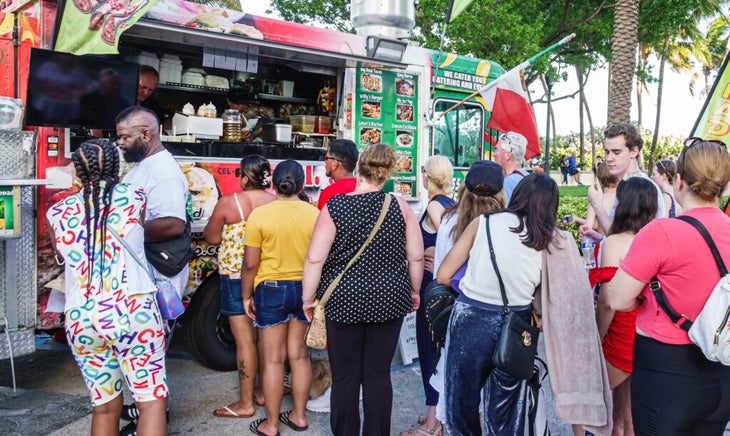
(386, 108)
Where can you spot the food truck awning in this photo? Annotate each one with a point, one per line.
(179, 38)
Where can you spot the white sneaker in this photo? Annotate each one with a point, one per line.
(320, 404)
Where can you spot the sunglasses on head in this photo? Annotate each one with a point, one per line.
(689, 142)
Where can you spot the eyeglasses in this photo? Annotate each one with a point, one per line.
(505, 137)
(689, 142)
(332, 158)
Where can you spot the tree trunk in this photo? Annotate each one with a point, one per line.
(660, 89)
(642, 61)
(581, 127)
(623, 50)
(584, 103)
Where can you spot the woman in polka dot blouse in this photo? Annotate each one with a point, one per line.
(366, 309)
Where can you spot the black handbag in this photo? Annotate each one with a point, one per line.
(517, 345)
(437, 311)
(170, 257)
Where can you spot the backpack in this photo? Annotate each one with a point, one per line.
(438, 304)
(710, 331)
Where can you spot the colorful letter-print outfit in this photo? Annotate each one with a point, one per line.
(112, 321)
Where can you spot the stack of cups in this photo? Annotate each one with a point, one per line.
(170, 69)
(146, 58)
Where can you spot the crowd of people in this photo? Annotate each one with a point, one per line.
(618, 367)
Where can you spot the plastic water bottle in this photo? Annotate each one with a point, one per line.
(587, 246)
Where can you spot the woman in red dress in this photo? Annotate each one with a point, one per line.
(636, 205)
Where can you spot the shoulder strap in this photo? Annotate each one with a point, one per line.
(708, 239)
(505, 301)
(443, 200)
(238, 205)
(124, 243)
(520, 173)
(680, 320)
(336, 281)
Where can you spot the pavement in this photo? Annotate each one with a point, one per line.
(50, 397)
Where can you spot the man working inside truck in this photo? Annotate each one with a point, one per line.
(138, 137)
(238, 98)
(148, 80)
(339, 164)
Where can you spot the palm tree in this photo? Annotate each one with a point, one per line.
(623, 60)
(710, 51)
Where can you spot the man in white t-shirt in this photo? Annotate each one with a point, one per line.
(622, 147)
(160, 176)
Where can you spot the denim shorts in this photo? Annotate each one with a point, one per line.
(231, 299)
(277, 302)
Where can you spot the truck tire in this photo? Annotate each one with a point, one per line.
(207, 333)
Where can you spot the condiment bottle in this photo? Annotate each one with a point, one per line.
(188, 109)
(202, 110)
(232, 125)
(210, 110)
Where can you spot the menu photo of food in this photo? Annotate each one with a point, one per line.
(370, 109)
(370, 135)
(403, 112)
(404, 87)
(404, 164)
(403, 138)
(403, 188)
(371, 82)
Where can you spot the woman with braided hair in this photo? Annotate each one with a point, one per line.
(112, 321)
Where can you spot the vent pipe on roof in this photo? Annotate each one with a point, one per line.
(392, 19)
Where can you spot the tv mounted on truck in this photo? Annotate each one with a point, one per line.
(66, 90)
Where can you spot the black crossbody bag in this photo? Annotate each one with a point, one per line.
(170, 257)
(517, 345)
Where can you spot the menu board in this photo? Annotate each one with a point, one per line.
(9, 211)
(386, 108)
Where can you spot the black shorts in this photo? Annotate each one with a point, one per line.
(573, 172)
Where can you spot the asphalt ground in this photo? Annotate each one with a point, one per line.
(51, 397)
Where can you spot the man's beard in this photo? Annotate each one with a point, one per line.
(135, 153)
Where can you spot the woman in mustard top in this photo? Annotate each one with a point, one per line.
(276, 241)
(227, 227)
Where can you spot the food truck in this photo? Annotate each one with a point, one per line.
(307, 87)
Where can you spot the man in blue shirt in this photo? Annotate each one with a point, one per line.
(573, 168)
(509, 153)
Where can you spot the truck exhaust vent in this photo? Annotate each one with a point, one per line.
(393, 19)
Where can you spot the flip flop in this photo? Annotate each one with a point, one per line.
(254, 427)
(227, 412)
(284, 419)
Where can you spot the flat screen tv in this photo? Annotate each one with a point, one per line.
(66, 90)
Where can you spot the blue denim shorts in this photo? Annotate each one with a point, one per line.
(277, 302)
(231, 299)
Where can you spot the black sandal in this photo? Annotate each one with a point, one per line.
(284, 419)
(254, 427)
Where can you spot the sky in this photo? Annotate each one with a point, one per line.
(679, 108)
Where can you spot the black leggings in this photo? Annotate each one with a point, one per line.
(361, 354)
(675, 390)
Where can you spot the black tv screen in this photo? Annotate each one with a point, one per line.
(66, 90)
